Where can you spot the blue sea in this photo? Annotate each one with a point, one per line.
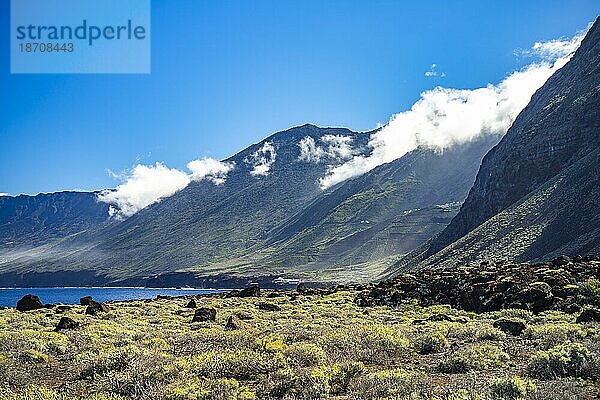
(71, 295)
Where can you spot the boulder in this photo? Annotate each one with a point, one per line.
(566, 291)
(510, 326)
(234, 323)
(588, 315)
(244, 316)
(66, 323)
(440, 317)
(301, 288)
(250, 291)
(191, 304)
(29, 302)
(86, 300)
(61, 308)
(268, 307)
(560, 261)
(95, 307)
(205, 314)
(537, 297)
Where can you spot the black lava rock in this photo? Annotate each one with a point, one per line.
(588, 315)
(205, 314)
(95, 307)
(29, 302)
(268, 307)
(250, 291)
(191, 304)
(86, 301)
(66, 323)
(512, 327)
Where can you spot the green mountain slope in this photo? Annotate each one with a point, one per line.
(388, 211)
(536, 193)
(280, 223)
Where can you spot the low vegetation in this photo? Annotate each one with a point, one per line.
(311, 346)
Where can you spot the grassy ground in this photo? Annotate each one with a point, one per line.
(319, 346)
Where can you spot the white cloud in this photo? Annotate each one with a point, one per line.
(262, 160)
(443, 117)
(309, 151)
(144, 185)
(433, 72)
(337, 147)
(210, 169)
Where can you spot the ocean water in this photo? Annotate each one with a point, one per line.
(71, 295)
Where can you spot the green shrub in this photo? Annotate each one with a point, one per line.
(593, 286)
(212, 339)
(475, 331)
(431, 342)
(479, 357)
(284, 383)
(513, 313)
(320, 382)
(367, 343)
(552, 334)
(340, 376)
(208, 389)
(387, 384)
(34, 357)
(107, 360)
(564, 360)
(29, 339)
(512, 388)
(243, 364)
(304, 354)
(41, 393)
(4, 367)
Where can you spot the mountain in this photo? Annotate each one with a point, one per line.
(36, 220)
(203, 222)
(389, 210)
(277, 223)
(537, 193)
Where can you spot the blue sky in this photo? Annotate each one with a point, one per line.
(226, 74)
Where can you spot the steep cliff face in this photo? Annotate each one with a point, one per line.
(559, 127)
(35, 220)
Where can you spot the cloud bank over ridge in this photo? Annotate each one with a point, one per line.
(144, 185)
(443, 116)
(335, 147)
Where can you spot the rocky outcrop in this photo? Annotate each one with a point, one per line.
(66, 323)
(86, 300)
(491, 287)
(205, 314)
(191, 304)
(510, 326)
(29, 302)
(250, 291)
(589, 315)
(268, 307)
(95, 307)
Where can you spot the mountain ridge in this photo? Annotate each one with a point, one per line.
(557, 132)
